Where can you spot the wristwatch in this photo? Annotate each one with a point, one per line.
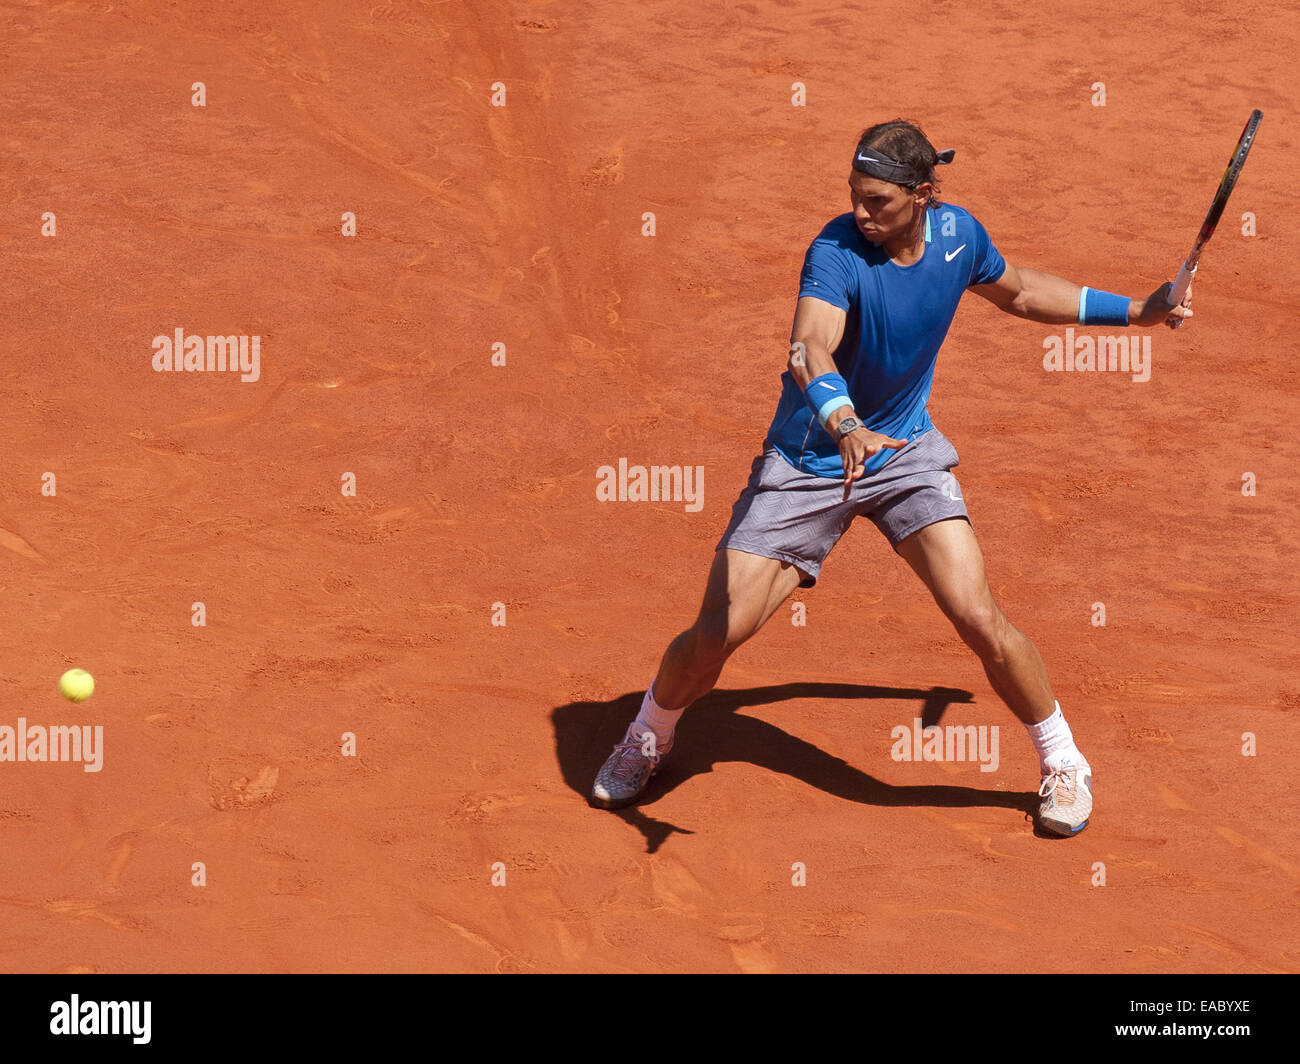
(847, 425)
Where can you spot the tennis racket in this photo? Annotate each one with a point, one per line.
(1215, 212)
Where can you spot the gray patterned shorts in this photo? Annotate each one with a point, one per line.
(798, 517)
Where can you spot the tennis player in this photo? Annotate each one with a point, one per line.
(852, 438)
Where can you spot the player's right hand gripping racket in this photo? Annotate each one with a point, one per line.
(1230, 176)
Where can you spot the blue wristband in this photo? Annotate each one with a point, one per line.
(1102, 308)
(826, 394)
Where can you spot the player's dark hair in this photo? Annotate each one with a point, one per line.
(904, 142)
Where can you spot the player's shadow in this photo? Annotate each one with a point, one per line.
(712, 731)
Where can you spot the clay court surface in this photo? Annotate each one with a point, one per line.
(475, 485)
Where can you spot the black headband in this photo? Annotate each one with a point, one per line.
(872, 163)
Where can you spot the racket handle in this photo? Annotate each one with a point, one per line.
(1181, 284)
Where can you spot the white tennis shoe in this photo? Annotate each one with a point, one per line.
(1067, 798)
(628, 769)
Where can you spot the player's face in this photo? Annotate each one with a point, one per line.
(882, 209)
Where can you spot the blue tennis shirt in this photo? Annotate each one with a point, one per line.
(898, 317)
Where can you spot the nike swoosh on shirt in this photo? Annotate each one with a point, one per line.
(949, 256)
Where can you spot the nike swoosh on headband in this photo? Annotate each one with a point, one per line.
(874, 164)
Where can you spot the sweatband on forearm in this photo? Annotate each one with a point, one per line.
(826, 394)
(1102, 308)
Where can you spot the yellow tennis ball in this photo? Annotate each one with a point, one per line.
(77, 685)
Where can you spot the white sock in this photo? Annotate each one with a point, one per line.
(1053, 742)
(654, 717)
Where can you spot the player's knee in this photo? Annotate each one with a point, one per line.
(716, 636)
(981, 625)
(712, 643)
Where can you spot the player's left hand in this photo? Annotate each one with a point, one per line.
(1156, 308)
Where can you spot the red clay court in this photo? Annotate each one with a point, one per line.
(373, 614)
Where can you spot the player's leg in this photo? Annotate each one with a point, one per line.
(742, 592)
(947, 558)
(782, 527)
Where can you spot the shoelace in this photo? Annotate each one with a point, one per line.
(625, 766)
(1060, 778)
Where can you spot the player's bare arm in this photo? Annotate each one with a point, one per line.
(818, 330)
(1044, 297)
